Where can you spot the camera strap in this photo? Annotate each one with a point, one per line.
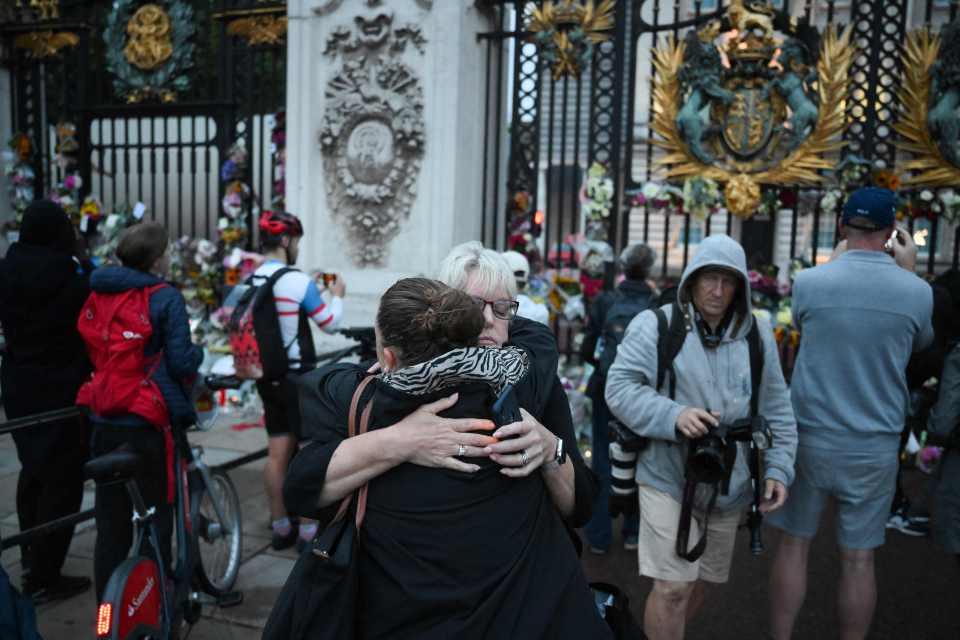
(686, 515)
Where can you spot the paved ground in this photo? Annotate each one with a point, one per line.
(919, 587)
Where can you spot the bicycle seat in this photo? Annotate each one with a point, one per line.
(218, 382)
(117, 465)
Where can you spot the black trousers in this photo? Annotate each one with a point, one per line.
(113, 508)
(44, 493)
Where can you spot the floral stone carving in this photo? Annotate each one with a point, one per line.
(373, 133)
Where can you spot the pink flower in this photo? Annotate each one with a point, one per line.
(783, 288)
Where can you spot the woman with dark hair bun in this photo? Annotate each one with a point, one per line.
(453, 544)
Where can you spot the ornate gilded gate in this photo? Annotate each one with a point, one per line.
(157, 93)
(564, 93)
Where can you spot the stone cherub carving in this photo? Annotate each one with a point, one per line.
(700, 84)
(791, 85)
(942, 119)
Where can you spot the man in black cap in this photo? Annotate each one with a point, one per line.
(860, 316)
(42, 288)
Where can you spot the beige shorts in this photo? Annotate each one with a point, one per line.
(659, 521)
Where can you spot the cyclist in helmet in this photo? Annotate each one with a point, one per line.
(297, 298)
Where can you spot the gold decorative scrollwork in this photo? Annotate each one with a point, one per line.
(800, 166)
(149, 44)
(45, 44)
(933, 170)
(567, 30)
(262, 29)
(45, 9)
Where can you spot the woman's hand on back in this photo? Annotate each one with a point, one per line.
(431, 441)
(523, 446)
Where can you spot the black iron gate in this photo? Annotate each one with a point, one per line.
(544, 132)
(164, 149)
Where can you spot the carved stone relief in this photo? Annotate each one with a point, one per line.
(372, 138)
(326, 7)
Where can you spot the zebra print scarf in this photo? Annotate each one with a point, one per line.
(496, 367)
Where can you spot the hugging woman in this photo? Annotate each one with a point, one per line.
(454, 543)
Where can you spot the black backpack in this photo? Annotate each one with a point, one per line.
(256, 340)
(621, 312)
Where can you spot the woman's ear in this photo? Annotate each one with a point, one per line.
(389, 361)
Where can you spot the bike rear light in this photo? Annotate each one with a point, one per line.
(104, 617)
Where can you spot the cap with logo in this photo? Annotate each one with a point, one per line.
(870, 209)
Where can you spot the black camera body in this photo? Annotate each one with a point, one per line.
(712, 456)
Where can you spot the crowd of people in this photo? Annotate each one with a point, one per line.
(465, 477)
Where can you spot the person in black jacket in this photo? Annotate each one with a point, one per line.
(485, 275)
(610, 313)
(42, 287)
(143, 253)
(468, 546)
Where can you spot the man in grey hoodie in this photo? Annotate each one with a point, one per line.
(713, 385)
(860, 316)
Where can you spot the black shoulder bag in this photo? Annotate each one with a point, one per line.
(319, 599)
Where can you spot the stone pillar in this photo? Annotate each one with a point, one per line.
(384, 137)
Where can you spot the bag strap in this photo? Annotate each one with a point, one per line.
(351, 432)
(756, 366)
(686, 514)
(670, 339)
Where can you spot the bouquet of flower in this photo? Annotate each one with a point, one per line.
(278, 143)
(109, 233)
(237, 198)
(659, 196)
(919, 205)
(701, 197)
(17, 168)
(596, 201)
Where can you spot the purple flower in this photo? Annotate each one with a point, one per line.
(229, 170)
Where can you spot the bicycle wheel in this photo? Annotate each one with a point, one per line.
(218, 541)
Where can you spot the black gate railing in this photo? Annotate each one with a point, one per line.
(544, 133)
(166, 154)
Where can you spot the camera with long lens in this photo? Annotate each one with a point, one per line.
(710, 461)
(625, 446)
(710, 455)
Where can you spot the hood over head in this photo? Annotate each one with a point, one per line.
(719, 250)
(46, 225)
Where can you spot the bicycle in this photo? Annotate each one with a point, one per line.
(207, 545)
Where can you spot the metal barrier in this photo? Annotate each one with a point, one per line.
(82, 516)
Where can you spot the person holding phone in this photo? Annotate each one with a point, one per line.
(460, 538)
(861, 315)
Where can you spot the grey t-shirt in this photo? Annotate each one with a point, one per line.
(860, 317)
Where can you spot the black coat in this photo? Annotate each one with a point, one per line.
(41, 292)
(447, 554)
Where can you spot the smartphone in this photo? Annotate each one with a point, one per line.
(505, 408)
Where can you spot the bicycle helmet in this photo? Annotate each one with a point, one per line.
(280, 223)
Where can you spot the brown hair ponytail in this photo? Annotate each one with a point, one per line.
(421, 319)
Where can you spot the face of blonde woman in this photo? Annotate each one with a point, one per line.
(495, 330)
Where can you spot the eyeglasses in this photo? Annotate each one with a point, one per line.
(503, 309)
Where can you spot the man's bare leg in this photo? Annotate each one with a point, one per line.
(857, 595)
(697, 598)
(280, 449)
(788, 584)
(665, 614)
